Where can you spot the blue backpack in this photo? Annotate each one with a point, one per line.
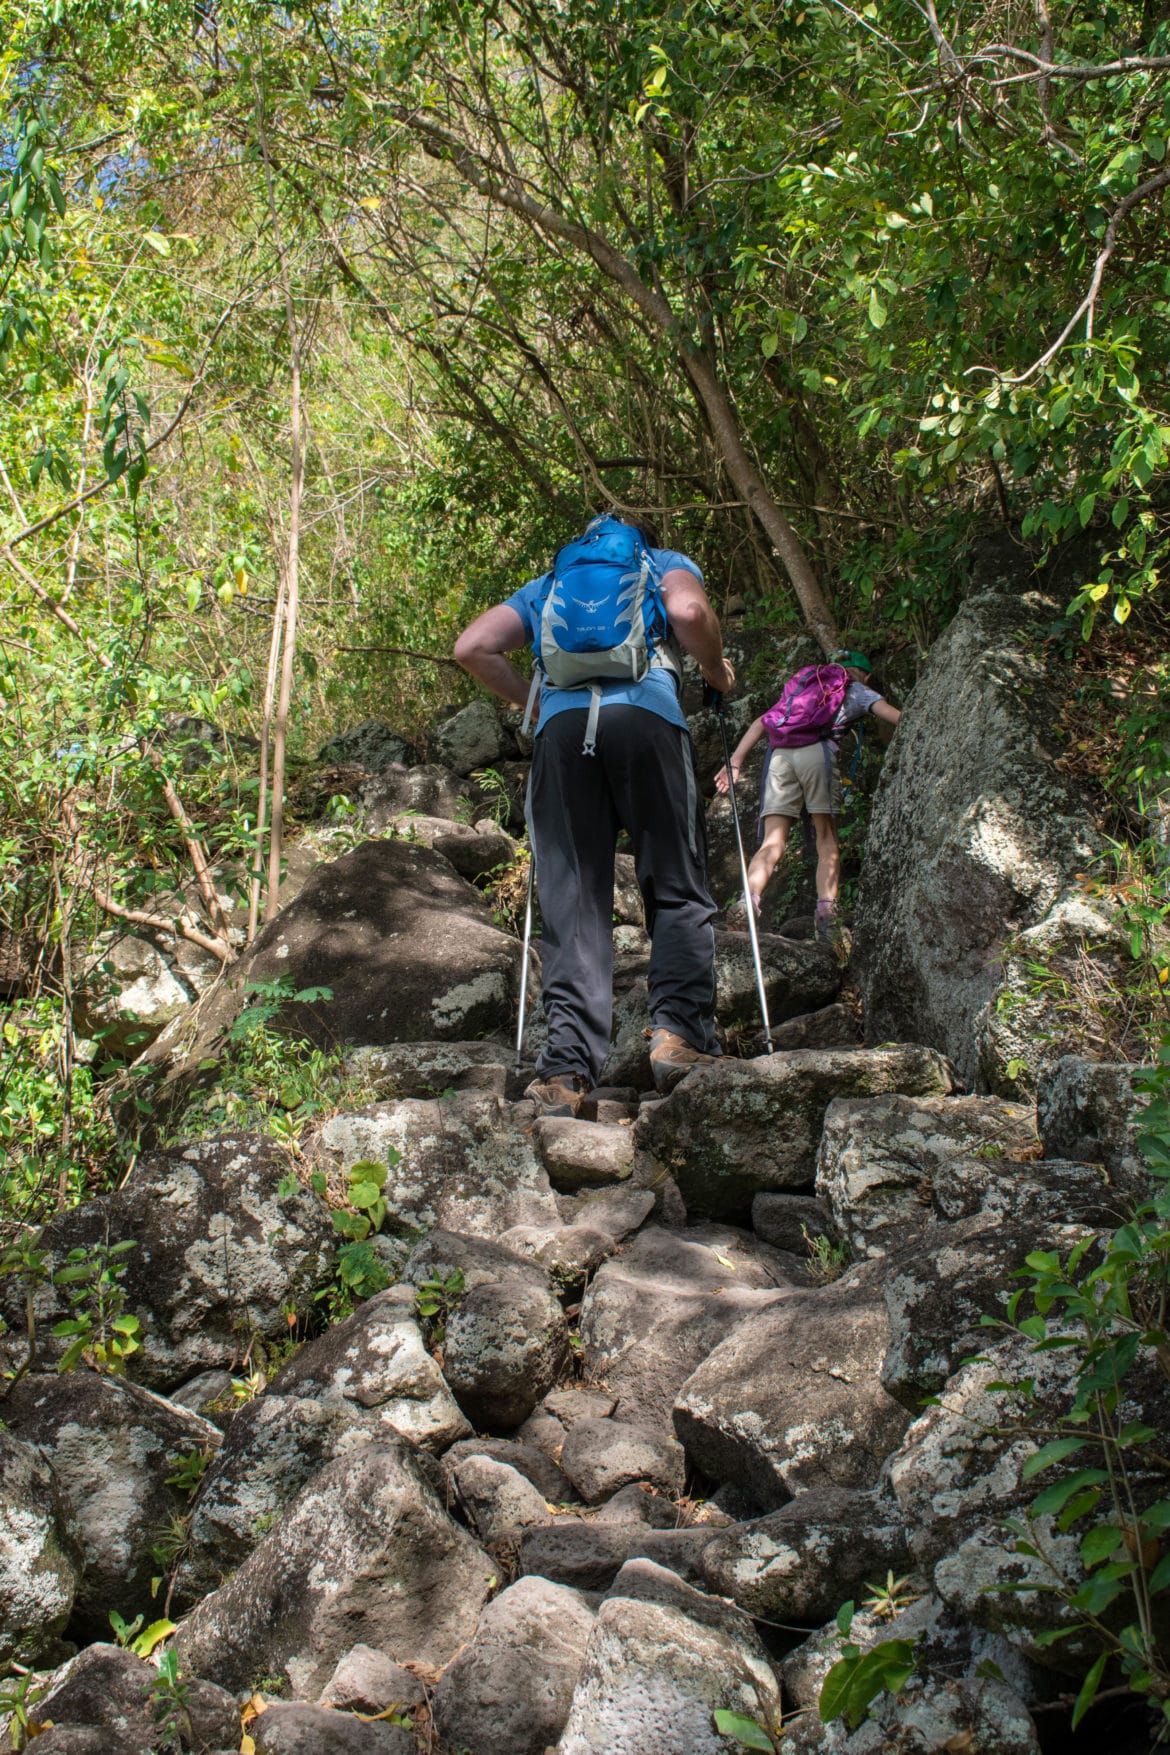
(600, 617)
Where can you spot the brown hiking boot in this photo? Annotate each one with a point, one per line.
(560, 1094)
(672, 1057)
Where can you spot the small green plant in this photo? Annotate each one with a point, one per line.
(435, 1299)
(23, 1260)
(496, 803)
(747, 1732)
(886, 1602)
(827, 1260)
(98, 1331)
(365, 1183)
(19, 1692)
(188, 1470)
(858, 1677)
(133, 1636)
(358, 1273)
(171, 1702)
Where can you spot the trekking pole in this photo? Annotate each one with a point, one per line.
(712, 698)
(524, 965)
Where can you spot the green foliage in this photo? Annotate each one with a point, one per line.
(366, 1211)
(1106, 1303)
(358, 1273)
(56, 1133)
(745, 1731)
(98, 1331)
(266, 1079)
(858, 1677)
(19, 1692)
(827, 1260)
(170, 1702)
(188, 1470)
(435, 1299)
(133, 1636)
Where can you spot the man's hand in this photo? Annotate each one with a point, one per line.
(720, 677)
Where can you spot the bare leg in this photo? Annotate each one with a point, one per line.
(769, 853)
(828, 858)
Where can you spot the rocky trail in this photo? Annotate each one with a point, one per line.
(644, 1398)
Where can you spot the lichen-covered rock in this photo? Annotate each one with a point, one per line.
(225, 1243)
(536, 1465)
(133, 988)
(426, 787)
(375, 1361)
(1089, 1110)
(365, 1553)
(39, 1565)
(599, 1219)
(368, 1681)
(112, 1446)
(832, 1026)
(584, 1154)
(732, 1130)
(473, 849)
(661, 1659)
(798, 978)
(462, 1162)
(652, 1313)
(975, 835)
(509, 1691)
(600, 1456)
(472, 738)
(880, 1157)
(506, 1338)
(498, 1501)
(274, 1445)
(430, 1069)
(110, 1690)
(372, 745)
(793, 1399)
(314, 1730)
(588, 1554)
(802, 1562)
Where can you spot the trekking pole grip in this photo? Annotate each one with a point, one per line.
(712, 698)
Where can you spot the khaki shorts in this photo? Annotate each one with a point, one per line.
(799, 777)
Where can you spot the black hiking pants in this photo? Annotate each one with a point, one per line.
(642, 779)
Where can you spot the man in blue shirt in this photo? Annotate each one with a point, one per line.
(641, 779)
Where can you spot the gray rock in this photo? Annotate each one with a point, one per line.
(506, 1336)
(509, 1691)
(981, 1716)
(426, 788)
(974, 835)
(368, 1681)
(798, 978)
(793, 1398)
(463, 1163)
(375, 1360)
(39, 1563)
(639, 1503)
(629, 1055)
(1040, 1193)
(474, 851)
(428, 1069)
(600, 1219)
(880, 1156)
(133, 988)
(787, 1220)
(655, 1311)
(599, 1456)
(574, 1403)
(112, 1446)
(498, 1501)
(202, 1392)
(589, 1554)
(88, 1740)
(584, 1154)
(472, 738)
(373, 745)
(802, 1562)
(314, 1730)
(627, 897)
(658, 1665)
(985, 1581)
(732, 1130)
(1089, 1110)
(366, 1553)
(833, 1026)
(111, 1690)
(223, 1247)
(525, 1458)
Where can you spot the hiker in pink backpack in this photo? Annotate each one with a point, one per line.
(801, 772)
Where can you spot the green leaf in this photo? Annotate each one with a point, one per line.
(744, 1730)
(364, 1194)
(1099, 1544)
(1049, 1454)
(769, 344)
(1058, 1495)
(877, 311)
(1160, 1577)
(1089, 1689)
(156, 241)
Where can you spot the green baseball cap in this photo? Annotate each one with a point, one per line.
(857, 660)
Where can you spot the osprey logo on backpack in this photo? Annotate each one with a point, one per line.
(600, 617)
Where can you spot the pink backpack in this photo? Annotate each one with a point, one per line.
(807, 710)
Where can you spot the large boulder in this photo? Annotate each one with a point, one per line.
(975, 835)
(506, 1339)
(798, 978)
(793, 1399)
(114, 1693)
(802, 1562)
(472, 738)
(372, 745)
(473, 849)
(112, 1446)
(464, 1162)
(654, 1312)
(367, 1552)
(736, 1128)
(499, 1503)
(661, 1659)
(509, 1691)
(426, 789)
(314, 1730)
(39, 1563)
(226, 1243)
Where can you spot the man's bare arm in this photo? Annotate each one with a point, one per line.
(696, 627)
(481, 649)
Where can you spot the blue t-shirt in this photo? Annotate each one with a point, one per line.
(657, 692)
